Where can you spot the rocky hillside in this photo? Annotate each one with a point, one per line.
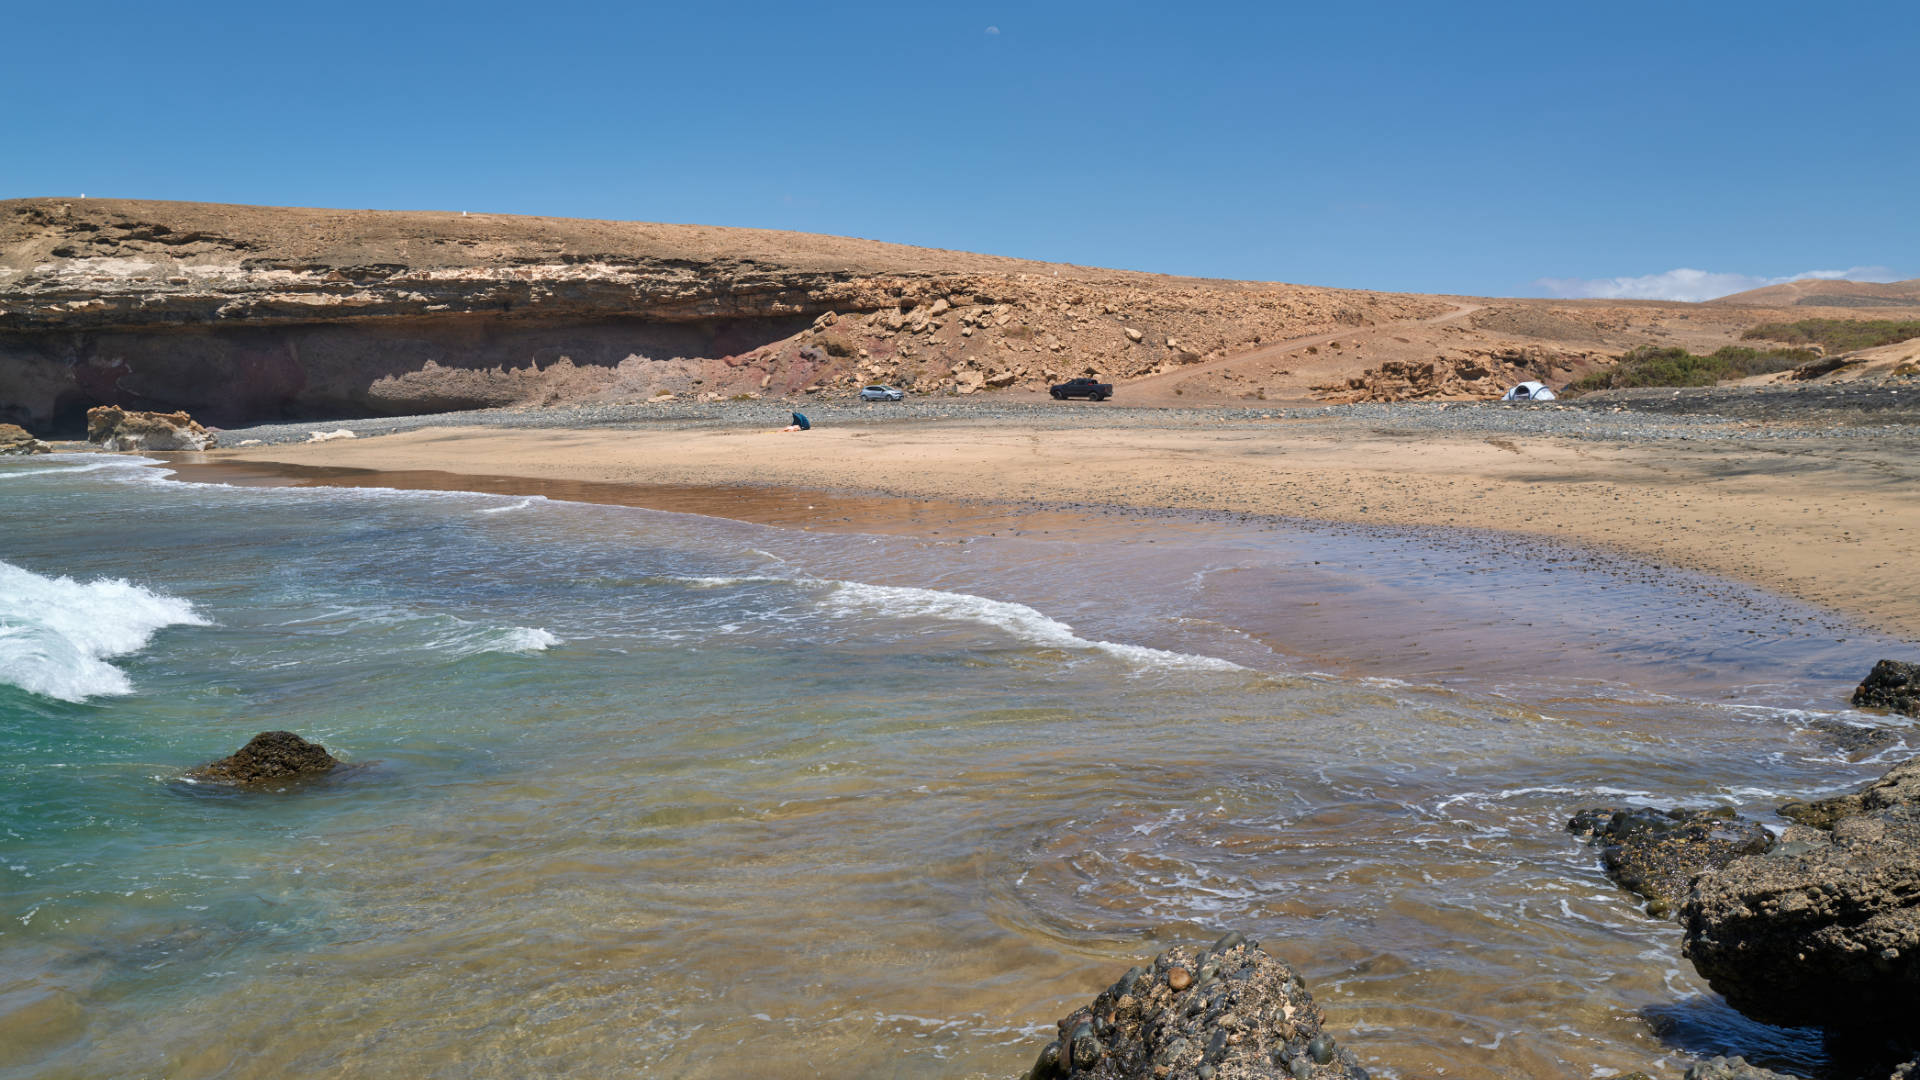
(240, 314)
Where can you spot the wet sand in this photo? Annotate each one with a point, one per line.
(1832, 522)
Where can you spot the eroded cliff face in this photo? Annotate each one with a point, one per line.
(242, 313)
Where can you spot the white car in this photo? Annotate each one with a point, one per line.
(882, 393)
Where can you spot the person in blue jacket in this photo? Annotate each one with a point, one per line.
(800, 423)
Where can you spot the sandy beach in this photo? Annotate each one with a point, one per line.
(1829, 520)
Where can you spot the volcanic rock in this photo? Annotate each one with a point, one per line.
(1733, 1068)
(1824, 931)
(1854, 740)
(1900, 787)
(1243, 1014)
(17, 440)
(1657, 853)
(115, 428)
(268, 756)
(1891, 685)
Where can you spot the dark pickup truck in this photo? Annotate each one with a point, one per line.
(1086, 388)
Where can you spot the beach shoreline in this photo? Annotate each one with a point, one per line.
(1826, 517)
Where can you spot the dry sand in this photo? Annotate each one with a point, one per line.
(1829, 521)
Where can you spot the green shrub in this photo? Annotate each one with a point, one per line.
(1649, 365)
(1838, 335)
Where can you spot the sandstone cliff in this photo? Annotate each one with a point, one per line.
(238, 313)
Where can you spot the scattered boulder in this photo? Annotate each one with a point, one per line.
(268, 756)
(1657, 853)
(1825, 930)
(15, 439)
(1900, 787)
(114, 428)
(1231, 1012)
(1854, 740)
(1891, 685)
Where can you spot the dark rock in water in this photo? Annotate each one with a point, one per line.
(1657, 853)
(1899, 787)
(1825, 932)
(270, 755)
(1891, 685)
(1854, 740)
(1733, 1068)
(1245, 1015)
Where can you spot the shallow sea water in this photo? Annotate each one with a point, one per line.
(643, 793)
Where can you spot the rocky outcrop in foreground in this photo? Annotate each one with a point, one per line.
(15, 439)
(1658, 853)
(1899, 787)
(267, 757)
(1891, 685)
(114, 428)
(1231, 1012)
(1825, 929)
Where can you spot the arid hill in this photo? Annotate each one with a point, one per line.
(242, 313)
(1817, 292)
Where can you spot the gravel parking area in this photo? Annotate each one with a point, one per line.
(1710, 413)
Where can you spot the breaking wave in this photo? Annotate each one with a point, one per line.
(53, 469)
(1019, 620)
(57, 634)
(472, 639)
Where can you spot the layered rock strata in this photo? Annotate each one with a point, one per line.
(250, 313)
(15, 439)
(113, 428)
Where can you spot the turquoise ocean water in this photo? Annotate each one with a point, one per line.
(640, 793)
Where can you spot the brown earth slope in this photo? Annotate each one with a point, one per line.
(1817, 292)
(245, 313)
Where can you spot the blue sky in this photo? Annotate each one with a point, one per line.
(1485, 149)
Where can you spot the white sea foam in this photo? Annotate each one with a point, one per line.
(526, 639)
(70, 470)
(521, 505)
(1018, 620)
(472, 639)
(56, 634)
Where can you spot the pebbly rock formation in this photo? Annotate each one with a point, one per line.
(1900, 786)
(114, 428)
(1825, 930)
(1891, 685)
(1226, 1013)
(268, 756)
(1657, 853)
(15, 439)
(240, 313)
(1478, 374)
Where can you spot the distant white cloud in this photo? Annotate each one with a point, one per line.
(1693, 285)
(993, 31)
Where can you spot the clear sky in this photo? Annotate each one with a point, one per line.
(1523, 149)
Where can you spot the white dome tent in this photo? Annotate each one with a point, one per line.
(1530, 391)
